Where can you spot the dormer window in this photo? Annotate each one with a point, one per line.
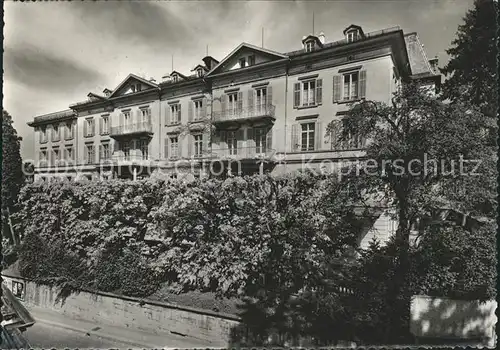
(175, 78)
(352, 36)
(242, 62)
(199, 72)
(251, 60)
(309, 46)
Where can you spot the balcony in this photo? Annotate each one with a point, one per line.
(144, 128)
(243, 153)
(259, 112)
(131, 159)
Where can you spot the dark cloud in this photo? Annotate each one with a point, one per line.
(139, 21)
(37, 69)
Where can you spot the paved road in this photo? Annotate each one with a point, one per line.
(42, 335)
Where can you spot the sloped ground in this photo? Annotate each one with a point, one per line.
(196, 299)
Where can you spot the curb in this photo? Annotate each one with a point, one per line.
(101, 335)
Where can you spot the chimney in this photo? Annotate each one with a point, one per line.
(434, 64)
(322, 38)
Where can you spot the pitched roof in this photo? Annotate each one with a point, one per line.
(61, 115)
(249, 46)
(132, 76)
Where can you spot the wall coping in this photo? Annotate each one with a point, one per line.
(146, 301)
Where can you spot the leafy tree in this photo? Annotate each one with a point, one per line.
(472, 71)
(416, 145)
(12, 175)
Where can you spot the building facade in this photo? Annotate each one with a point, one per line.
(255, 111)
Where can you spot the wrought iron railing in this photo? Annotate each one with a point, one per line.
(243, 153)
(266, 110)
(131, 129)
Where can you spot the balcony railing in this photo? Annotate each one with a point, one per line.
(137, 128)
(243, 153)
(127, 158)
(253, 112)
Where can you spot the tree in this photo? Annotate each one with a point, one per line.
(12, 174)
(416, 146)
(472, 69)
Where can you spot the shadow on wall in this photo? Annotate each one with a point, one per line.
(448, 320)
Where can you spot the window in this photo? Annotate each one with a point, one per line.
(144, 147)
(352, 36)
(251, 60)
(232, 102)
(70, 130)
(308, 93)
(125, 147)
(175, 113)
(307, 137)
(260, 140)
(89, 127)
(55, 156)
(43, 134)
(139, 87)
(198, 109)
(55, 132)
(232, 142)
(175, 78)
(351, 86)
(89, 154)
(199, 71)
(127, 118)
(309, 46)
(43, 157)
(145, 115)
(105, 125)
(105, 151)
(174, 147)
(69, 153)
(198, 145)
(242, 62)
(261, 98)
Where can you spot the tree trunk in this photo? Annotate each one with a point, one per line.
(11, 227)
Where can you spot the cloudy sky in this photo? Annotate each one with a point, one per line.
(55, 53)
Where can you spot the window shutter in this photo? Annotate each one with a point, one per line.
(122, 119)
(40, 134)
(362, 84)
(85, 127)
(333, 137)
(116, 146)
(204, 107)
(190, 140)
(318, 135)
(239, 138)
(336, 88)
(250, 133)
(101, 156)
(296, 95)
(167, 115)
(206, 142)
(319, 91)
(179, 114)
(100, 125)
(269, 92)
(251, 94)
(93, 126)
(190, 111)
(223, 102)
(149, 116)
(240, 101)
(269, 139)
(223, 136)
(86, 154)
(166, 148)
(295, 138)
